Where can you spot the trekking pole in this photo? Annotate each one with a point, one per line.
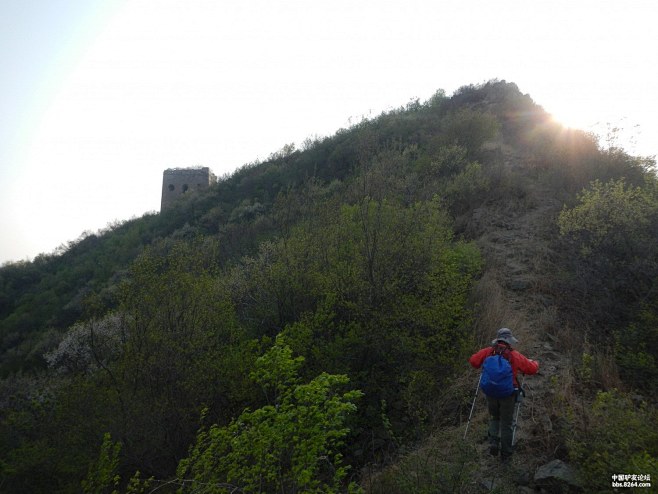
(518, 407)
(472, 406)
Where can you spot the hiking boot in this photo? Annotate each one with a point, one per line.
(494, 445)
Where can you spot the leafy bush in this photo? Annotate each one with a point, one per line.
(611, 219)
(290, 445)
(636, 350)
(182, 348)
(613, 226)
(618, 437)
(469, 128)
(102, 474)
(86, 346)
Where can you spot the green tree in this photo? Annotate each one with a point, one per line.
(636, 349)
(102, 474)
(614, 227)
(290, 445)
(182, 349)
(469, 128)
(386, 292)
(610, 218)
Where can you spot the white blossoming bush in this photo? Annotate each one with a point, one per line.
(89, 344)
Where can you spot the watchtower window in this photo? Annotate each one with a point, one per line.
(185, 187)
(171, 187)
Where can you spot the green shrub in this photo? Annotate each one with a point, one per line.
(469, 128)
(102, 474)
(619, 437)
(637, 350)
(290, 445)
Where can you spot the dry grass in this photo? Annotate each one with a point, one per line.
(443, 463)
(493, 310)
(605, 372)
(571, 340)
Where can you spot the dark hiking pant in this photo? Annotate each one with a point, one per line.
(501, 411)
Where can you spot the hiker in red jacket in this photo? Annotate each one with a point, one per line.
(500, 385)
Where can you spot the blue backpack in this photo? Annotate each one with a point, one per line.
(497, 378)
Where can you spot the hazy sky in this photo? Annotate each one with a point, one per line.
(97, 98)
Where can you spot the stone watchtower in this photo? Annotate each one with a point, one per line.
(179, 181)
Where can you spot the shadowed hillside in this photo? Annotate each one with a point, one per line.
(304, 325)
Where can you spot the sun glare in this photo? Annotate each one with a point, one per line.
(611, 131)
(573, 115)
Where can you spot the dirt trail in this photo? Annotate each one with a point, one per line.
(515, 241)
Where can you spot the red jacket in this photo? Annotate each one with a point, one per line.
(518, 361)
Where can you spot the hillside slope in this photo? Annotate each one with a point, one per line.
(518, 243)
(522, 287)
(356, 275)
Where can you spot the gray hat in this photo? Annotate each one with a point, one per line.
(505, 334)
